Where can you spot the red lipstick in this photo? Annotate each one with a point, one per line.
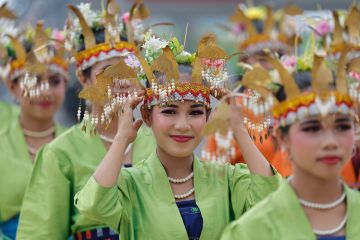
(181, 138)
(45, 104)
(330, 160)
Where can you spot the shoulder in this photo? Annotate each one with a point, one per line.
(257, 218)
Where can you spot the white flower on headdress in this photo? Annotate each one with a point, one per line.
(90, 16)
(153, 47)
(8, 27)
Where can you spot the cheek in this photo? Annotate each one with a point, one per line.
(300, 141)
(59, 92)
(347, 140)
(160, 122)
(197, 124)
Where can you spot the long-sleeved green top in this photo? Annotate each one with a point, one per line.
(281, 217)
(8, 113)
(62, 168)
(142, 205)
(16, 166)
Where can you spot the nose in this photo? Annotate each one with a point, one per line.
(330, 140)
(182, 123)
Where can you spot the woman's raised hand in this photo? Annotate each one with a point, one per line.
(127, 128)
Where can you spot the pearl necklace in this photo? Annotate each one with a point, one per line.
(181, 180)
(106, 139)
(42, 134)
(331, 231)
(321, 206)
(185, 195)
(325, 207)
(336, 203)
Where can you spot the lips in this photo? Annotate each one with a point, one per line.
(181, 138)
(45, 104)
(330, 160)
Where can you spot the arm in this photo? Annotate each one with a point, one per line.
(108, 171)
(45, 212)
(256, 162)
(105, 197)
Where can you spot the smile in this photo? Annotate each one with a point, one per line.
(181, 138)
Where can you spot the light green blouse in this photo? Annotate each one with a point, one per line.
(62, 168)
(281, 217)
(15, 169)
(8, 113)
(142, 206)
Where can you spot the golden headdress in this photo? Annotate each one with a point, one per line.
(45, 53)
(275, 36)
(81, 32)
(168, 79)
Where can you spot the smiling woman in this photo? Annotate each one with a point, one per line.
(32, 126)
(172, 182)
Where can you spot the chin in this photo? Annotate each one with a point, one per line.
(179, 151)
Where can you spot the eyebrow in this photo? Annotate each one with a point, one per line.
(314, 121)
(342, 120)
(197, 105)
(192, 106)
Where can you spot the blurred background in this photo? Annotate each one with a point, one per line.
(201, 16)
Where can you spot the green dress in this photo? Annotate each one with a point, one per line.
(142, 205)
(16, 166)
(8, 112)
(62, 168)
(281, 217)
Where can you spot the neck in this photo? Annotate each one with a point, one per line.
(175, 167)
(315, 189)
(37, 125)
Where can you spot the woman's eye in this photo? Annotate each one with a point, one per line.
(197, 112)
(54, 81)
(168, 111)
(343, 127)
(311, 129)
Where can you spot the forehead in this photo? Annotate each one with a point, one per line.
(327, 118)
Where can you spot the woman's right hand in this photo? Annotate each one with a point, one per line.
(127, 128)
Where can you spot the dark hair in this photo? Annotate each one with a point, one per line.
(99, 33)
(184, 69)
(303, 81)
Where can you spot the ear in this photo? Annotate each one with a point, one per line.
(282, 139)
(82, 79)
(146, 115)
(13, 88)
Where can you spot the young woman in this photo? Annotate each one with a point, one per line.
(173, 195)
(27, 130)
(63, 167)
(316, 128)
(253, 35)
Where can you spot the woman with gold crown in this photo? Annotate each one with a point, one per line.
(314, 122)
(256, 31)
(63, 167)
(7, 25)
(173, 195)
(38, 78)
